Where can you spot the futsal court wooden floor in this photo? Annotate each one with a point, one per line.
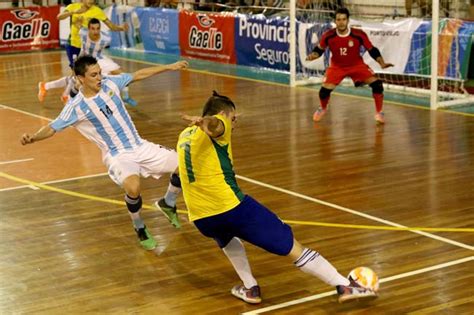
(67, 248)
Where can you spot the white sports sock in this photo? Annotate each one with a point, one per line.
(56, 84)
(235, 251)
(313, 263)
(71, 86)
(172, 194)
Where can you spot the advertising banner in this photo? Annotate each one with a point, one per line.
(207, 36)
(262, 42)
(392, 38)
(29, 28)
(159, 30)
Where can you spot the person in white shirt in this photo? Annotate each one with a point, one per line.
(99, 114)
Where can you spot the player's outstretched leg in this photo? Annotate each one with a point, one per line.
(313, 263)
(167, 204)
(146, 239)
(248, 291)
(43, 87)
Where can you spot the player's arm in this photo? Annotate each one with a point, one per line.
(115, 27)
(375, 54)
(319, 49)
(66, 13)
(211, 125)
(151, 71)
(44, 133)
(317, 52)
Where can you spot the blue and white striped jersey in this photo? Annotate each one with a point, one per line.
(103, 118)
(92, 48)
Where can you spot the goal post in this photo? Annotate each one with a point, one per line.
(427, 66)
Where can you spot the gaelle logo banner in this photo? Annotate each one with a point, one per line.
(29, 28)
(207, 36)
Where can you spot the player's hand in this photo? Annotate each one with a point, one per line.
(179, 65)
(125, 27)
(386, 65)
(312, 56)
(201, 122)
(26, 139)
(192, 120)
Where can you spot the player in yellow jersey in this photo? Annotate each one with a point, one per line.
(80, 13)
(220, 210)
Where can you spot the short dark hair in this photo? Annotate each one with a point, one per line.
(81, 64)
(342, 11)
(217, 103)
(93, 21)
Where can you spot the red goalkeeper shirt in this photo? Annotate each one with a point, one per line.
(345, 49)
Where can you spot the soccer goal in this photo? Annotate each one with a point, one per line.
(426, 66)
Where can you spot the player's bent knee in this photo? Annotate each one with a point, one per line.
(377, 87)
(324, 93)
(133, 204)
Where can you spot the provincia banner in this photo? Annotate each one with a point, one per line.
(29, 28)
(262, 42)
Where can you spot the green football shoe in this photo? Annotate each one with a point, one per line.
(146, 239)
(170, 212)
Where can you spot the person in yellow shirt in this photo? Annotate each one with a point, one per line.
(80, 13)
(220, 210)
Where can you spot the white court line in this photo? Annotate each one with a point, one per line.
(54, 182)
(16, 161)
(49, 182)
(361, 214)
(333, 292)
(24, 112)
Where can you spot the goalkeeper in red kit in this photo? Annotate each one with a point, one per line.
(346, 61)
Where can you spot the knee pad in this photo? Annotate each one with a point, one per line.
(133, 205)
(324, 93)
(175, 180)
(377, 87)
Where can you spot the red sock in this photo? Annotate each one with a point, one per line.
(324, 102)
(378, 98)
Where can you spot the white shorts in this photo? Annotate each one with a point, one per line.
(107, 65)
(149, 159)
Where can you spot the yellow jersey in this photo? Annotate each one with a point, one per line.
(206, 172)
(93, 12)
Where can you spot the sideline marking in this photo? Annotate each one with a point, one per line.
(16, 161)
(333, 292)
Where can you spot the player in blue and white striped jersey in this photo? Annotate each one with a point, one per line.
(94, 41)
(98, 113)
